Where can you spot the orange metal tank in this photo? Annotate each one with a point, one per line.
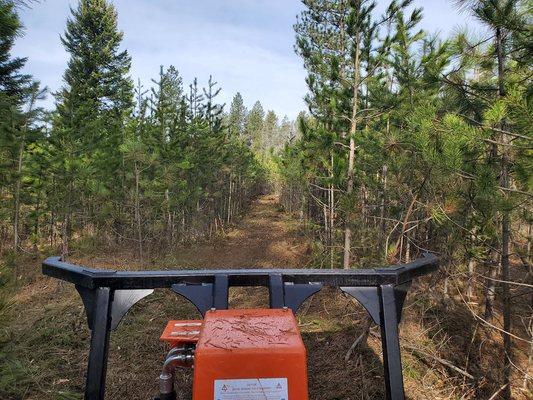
(250, 355)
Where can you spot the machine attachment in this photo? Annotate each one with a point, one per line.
(237, 354)
(234, 351)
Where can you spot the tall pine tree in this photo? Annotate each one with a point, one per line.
(92, 107)
(18, 111)
(237, 116)
(254, 126)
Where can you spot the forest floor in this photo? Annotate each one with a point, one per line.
(43, 345)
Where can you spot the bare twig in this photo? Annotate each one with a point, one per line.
(498, 130)
(487, 322)
(493, 397)
(420, 353)
(502, 281)
(360, 339)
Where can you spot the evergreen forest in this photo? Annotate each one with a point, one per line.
(411, 142)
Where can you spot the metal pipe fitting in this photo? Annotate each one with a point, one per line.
(177, 357)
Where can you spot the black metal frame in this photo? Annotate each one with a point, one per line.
(108, 295)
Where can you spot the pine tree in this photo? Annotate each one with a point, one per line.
(18, 112)
(166, 103)
(286, 132)
(237, 116)
(194, 100)
(270, 133)
(212, 111)
(138, 158)
(335, 39)
(12, 80)
(26, 133)
(168, 109)
(406, 69)
(92, 107)
(504, 19)
(254, 126)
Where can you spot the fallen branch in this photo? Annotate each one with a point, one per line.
(493, 397)
(510, 282)
(487, 322)
(446, 363)
(361, 339)
(422, 354)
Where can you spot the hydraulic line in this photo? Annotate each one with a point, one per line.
(178, 357)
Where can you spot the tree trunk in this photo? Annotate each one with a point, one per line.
(138, 213)
(470, 284)
(383, 198)
(528, 248)
(407, 248)
(332, 217)
(351, 156)
(490, 288)
(228, 220)
(168, 217)
(16, 234)
(527, 377)
(67, 221)
(506, 222)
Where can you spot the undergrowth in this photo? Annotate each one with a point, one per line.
(15, 374)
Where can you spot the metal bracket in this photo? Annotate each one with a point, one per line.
(400, 293)
(288, 294)
(98, 303)
(385, 305)
(390, 341)
(221, 292)
(88, 297)
(369, 299)
(276, 291)
(215, 295)
(207, 295)
(296, 293)
(199, 295)
(121, 302)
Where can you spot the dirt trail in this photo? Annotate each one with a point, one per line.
(265, 238)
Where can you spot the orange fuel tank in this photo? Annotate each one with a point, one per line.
(250, 355)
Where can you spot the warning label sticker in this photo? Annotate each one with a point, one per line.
(252, 389)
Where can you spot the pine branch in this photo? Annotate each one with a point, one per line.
(498, 130)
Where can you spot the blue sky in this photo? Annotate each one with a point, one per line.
(247, 45)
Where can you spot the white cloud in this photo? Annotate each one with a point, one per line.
(247, 45)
